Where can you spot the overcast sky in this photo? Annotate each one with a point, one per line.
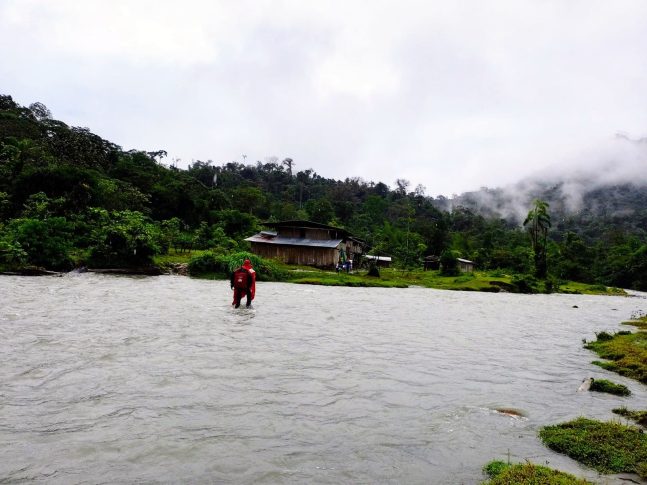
(453, 95)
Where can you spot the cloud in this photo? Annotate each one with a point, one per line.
(452, 95)
(619, 161)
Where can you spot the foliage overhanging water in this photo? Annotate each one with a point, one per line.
(122, 379)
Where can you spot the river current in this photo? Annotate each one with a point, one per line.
(113, 379)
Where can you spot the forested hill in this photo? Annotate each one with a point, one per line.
(69, 197)
(575, 205)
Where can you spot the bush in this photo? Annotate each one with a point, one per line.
(207, 262)
(373, 270)
(126, 239)
(224, 264)
(551, 285)
(45, 242)
(525, 283)
(448, 263)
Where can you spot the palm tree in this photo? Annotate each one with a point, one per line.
(538, 222)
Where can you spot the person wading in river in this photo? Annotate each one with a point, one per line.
(243, 282)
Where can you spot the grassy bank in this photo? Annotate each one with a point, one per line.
(501, 473)
(396, 278)
(492, 281)
(174, 257)
(625, 352)
(608, 447)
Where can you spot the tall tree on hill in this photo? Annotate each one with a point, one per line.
(288, 162)
(537, 223)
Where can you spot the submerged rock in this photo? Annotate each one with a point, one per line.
(586, 385)
(514, 413)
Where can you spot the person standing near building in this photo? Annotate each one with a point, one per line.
(243, 282)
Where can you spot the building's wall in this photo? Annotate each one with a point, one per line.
(465, 267)
(308, 233)
(353, 250)
(302, 255)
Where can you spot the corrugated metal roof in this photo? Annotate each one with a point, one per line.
(295, 241)
(379, 258)
(464, 261)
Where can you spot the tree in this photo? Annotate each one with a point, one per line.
(576, 259)
(127, 239)
(320, 210)
(288, 162)
(449, 263)
(537, 223)
(40, 111)
(402, 185)
(45, 242)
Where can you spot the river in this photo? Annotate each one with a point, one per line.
(114, 379)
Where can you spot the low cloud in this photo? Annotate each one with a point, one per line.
(619, 161)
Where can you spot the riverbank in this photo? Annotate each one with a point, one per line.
(624, 352)
(611, 446)
(485, 281)
(482, 281)
(492, 281)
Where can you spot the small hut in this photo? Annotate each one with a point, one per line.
(431, 263)
(465, 265)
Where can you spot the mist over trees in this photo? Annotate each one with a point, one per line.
(69, 197)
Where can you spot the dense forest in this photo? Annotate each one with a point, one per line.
(69, 197)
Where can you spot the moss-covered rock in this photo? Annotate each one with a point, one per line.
(604, 385)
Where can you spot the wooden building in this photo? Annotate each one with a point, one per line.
(307, 243)
(465, 265)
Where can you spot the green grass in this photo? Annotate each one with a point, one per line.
(608, 447)
(501, 473)
(492, 281)
(640, 323)
(603, 385)
(576, 288)
(172, 257)
(626, 352)
(639, 417)
(488, 281)
(394, 278)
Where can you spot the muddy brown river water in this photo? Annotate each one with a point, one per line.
(108, 379)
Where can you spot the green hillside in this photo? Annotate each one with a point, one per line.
(69, 197)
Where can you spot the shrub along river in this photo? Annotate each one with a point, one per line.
(157, 379)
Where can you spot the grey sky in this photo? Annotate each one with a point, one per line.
(451, 95)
